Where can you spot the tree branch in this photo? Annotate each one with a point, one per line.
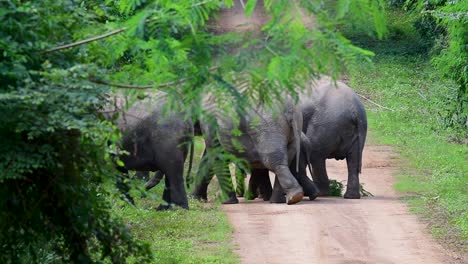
(81, 42)
(131, 86)
(115, 32)
(372, 102)
(149, 86)
(242, 4)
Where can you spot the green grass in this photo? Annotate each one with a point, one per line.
(434, 172)
(199, 235)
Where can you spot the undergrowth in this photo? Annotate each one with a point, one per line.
(199, 235)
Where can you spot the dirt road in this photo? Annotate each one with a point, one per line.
(375, 229)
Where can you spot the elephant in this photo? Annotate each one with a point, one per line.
(259, 182)
(210, 164)
(269, 139)
(335, 126)
(158, 140)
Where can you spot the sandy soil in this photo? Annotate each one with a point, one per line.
(375, 229)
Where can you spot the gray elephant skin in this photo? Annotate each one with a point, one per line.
(335, 125)
(269, 140)
(158, 140)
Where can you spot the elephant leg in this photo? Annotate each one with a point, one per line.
(278, 193)
(200, 191)
(263, 183)
(166, 196)
(320, 176)
(294, 192)
(175, 182)
(309, 187)
(352, 160)
(158, 176)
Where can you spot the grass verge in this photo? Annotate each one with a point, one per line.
(199, 235)
(436, 175)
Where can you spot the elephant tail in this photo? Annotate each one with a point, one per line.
(361, 135)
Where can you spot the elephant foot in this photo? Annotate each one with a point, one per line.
(323, 188)
(200, 193)
(312, 193)
(313, 197)
(294, 197)
(265, 194)
(200, 198)
(151, 183)
(324, 191)
(277, 198)
(164, 207)
(232, 199)
(352, 195)
(168, 207)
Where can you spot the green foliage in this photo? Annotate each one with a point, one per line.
(364, 192)
(165, 41)
(217, 162)
(53, 155)
(443, 25)
(250, 6)
(436, 178)
(453, 60)
(336, 188)
(199, 235)
(55, 159)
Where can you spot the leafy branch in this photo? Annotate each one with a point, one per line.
(374, 103)
(106, 35)
(132, 86)
(148, 86)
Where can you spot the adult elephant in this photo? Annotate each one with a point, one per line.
(158, 140)
(335, 125)
(268, 138)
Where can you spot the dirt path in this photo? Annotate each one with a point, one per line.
(377, 229)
